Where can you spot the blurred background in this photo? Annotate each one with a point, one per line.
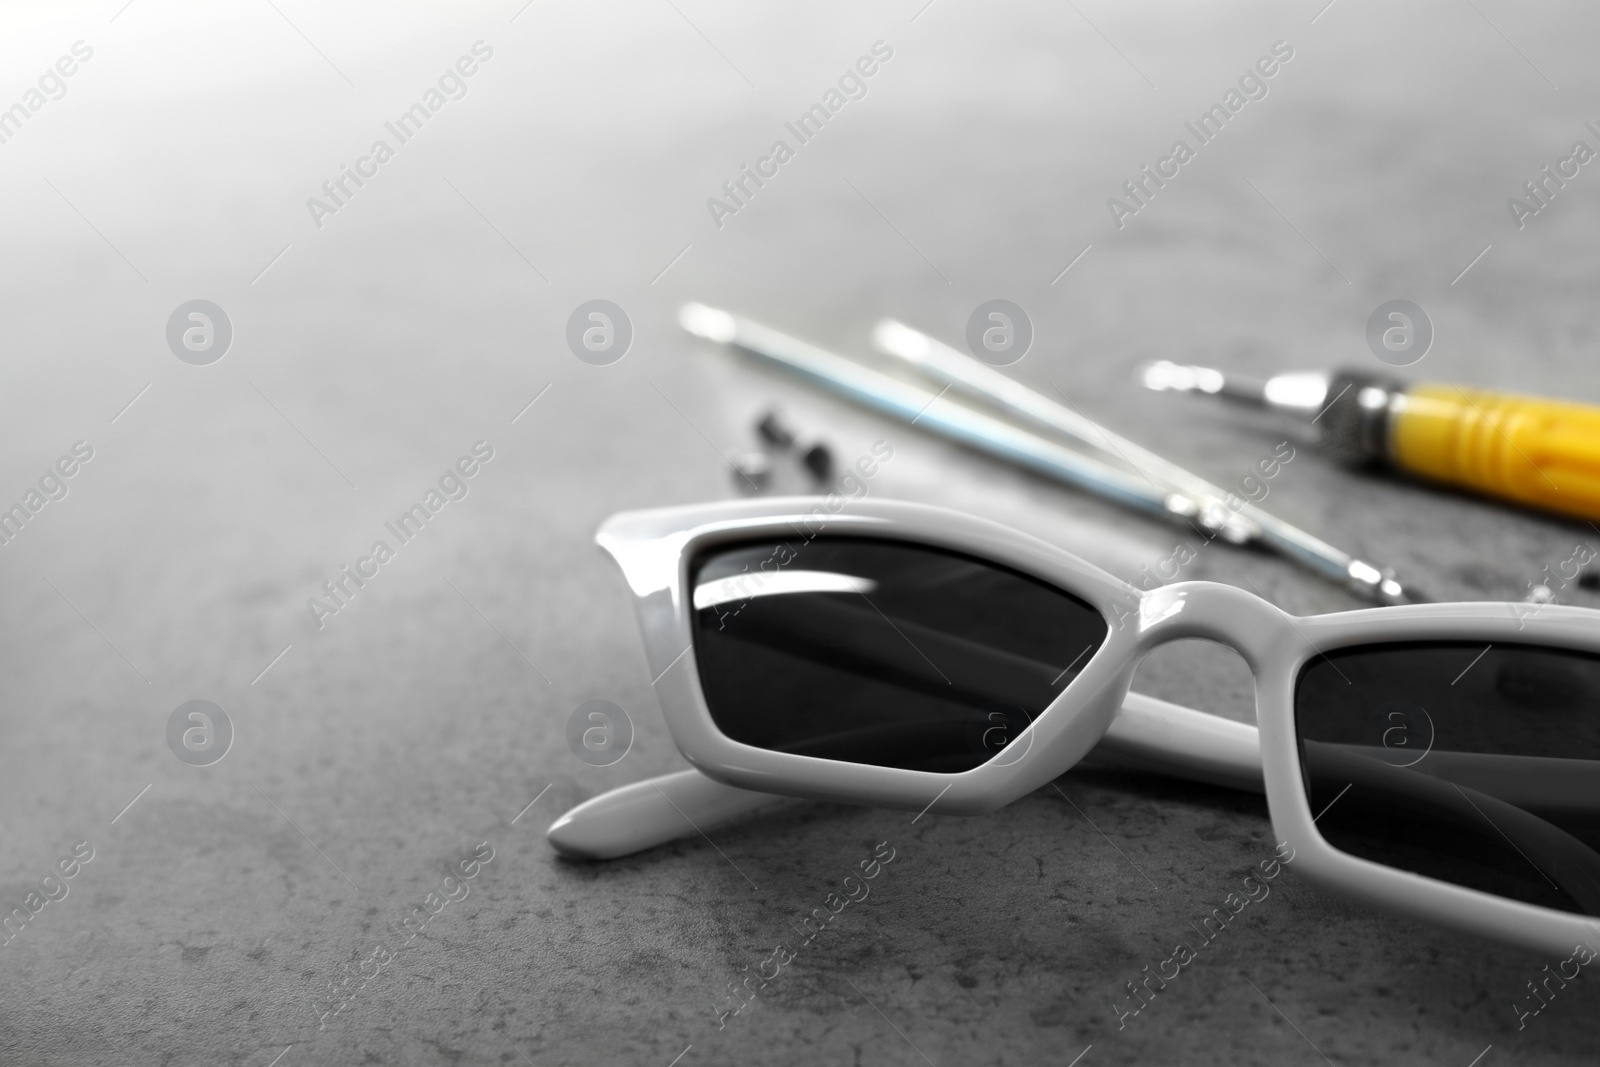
(373, 346)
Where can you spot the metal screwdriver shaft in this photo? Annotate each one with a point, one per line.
(1151, 494)
(947, 366)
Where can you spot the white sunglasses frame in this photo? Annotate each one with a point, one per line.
(654, 549)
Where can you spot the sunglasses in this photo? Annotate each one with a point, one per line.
(1437, 760)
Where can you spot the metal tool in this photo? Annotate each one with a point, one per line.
(1525, 449)
(929, 410)
(944, 364)
(1148, 492)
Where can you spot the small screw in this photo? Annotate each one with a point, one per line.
(773, 431)
(752, 470)
(819, 461)
(814, 455)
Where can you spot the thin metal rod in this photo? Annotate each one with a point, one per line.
(958, 370)
(947, 366)
(1023, 447)
(932, 411)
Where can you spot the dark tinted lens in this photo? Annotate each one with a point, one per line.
(1470, 763)
(881, 652)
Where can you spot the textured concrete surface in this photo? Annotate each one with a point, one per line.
(424, 315)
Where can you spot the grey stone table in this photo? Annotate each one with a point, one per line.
(381, 327)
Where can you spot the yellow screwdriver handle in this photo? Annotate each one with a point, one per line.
(1534, 451)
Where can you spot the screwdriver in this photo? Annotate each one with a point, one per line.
(1249, 522)
(1531, 450)
(933, 412)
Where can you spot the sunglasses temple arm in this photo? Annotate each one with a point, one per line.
(1147, 734)
(645, 814)
(1155, 735)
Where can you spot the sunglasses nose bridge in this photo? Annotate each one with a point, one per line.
(1211, 611)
